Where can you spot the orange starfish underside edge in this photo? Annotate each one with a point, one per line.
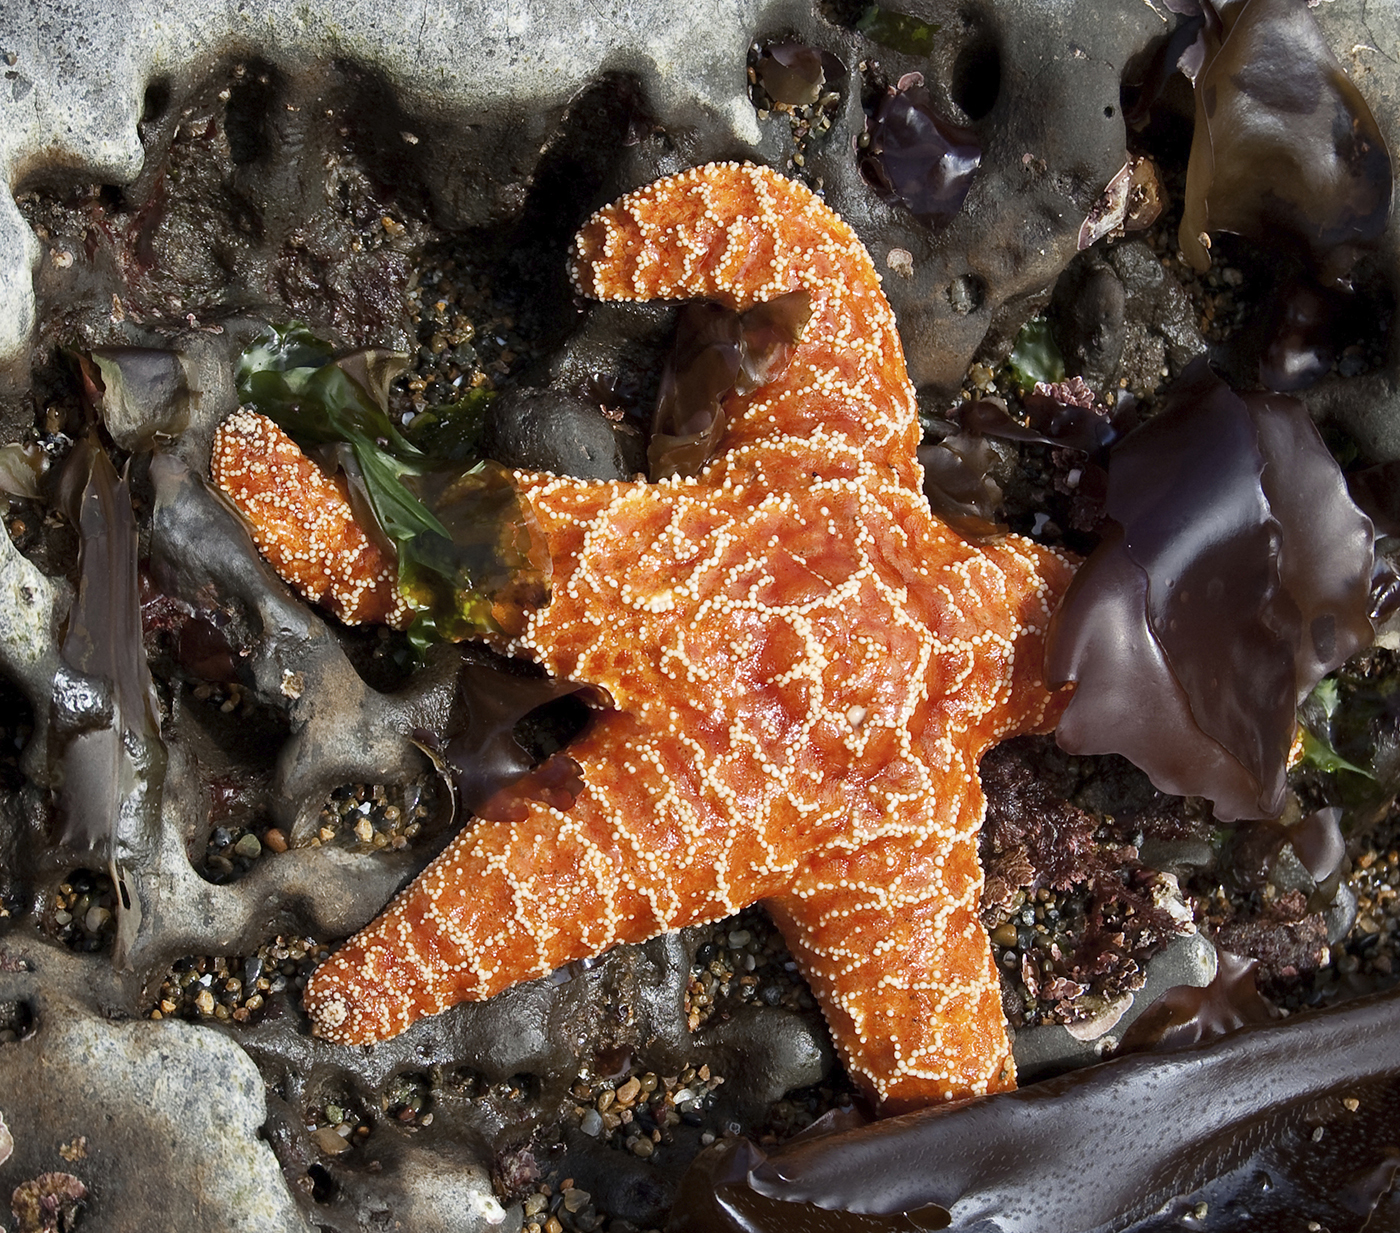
(806, 667)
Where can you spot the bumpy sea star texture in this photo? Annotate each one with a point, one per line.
(303, 524)
(806, 667)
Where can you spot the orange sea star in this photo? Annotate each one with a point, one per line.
(806, 667)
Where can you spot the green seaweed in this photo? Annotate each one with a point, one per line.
(453, 430)
(470, 558)
(1315, 718)
(1035, 357)
(1318, 753)
(897, 31)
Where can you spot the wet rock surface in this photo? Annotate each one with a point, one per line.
(235, 168)
(184, 1103)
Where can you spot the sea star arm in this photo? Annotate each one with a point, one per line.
(301, 520)
(642, 850)
(890, 940)
(806, 667)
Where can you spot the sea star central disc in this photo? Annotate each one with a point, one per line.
(806, 667)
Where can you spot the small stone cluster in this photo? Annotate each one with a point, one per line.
(1376, 883)
(640, 1114)
(342, 1125)
(567, 1208)
(464, 341)
(372, 816)
(234, 988)
(82, 914)
(743, 960)
(1041, 935)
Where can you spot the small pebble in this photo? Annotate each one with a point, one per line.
(248, 847)
(1005, 935)
(575, 1199)
(329, 1141)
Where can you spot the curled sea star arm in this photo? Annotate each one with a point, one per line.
(743, 235)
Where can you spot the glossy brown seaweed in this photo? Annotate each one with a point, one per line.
(717, 352)
(1266, 1128)
(1187, 1014)
(481, 750)
(109, 763)
(957, 469)
(959, 485)
(1285, 149)
(1237, 575)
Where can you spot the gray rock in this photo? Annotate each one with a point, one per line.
(772, 1051)
(465, 104)
(546, 430)
(438, 1189)
(170, 1113)
(1039, 84)
(1089, 309)
(32, 608)
(1042, 1051)
(1162, 333)
(481, 83)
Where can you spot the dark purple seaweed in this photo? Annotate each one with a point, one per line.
(1241, 576)
(957, 478)
(1285, 148)
(1135, 706)
(768, 337)
(1268, 1127)
(699, 374)
(1063, 414)
(958, 483)
(918, 158)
